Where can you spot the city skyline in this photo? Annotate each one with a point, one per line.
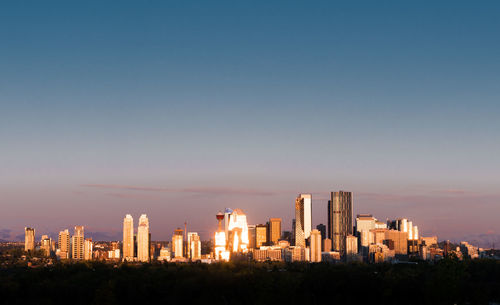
(179, 109)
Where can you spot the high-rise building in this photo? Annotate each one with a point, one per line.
(303, 219)
(87, 249)
(177, 243)
(77, 243)
(46, 245)
(128, 237)
(64, 244)
(339, 220)
(274, 231)
(260, 236)
(238, 232)
(251, 236)
(143, 239)
(29, 239)
(315, 246)
(194, 246)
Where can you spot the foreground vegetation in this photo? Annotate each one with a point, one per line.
(447, 282)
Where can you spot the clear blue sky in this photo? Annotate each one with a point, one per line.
(178, 109)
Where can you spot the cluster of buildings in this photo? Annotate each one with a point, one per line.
(75, 246)
(344, 238)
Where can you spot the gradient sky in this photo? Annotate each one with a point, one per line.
(178, 109)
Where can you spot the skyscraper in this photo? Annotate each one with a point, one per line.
(29, 239)
(315, 246)
(274, 231)
(303, 219)
(238, 232)
(177, 243)
(64, 244)
(260, 236)
(128, 237)
(251, 236)
(143, 239)
(194, 246)
(77, 244)
(339, 219)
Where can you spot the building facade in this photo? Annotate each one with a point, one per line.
(339, 220)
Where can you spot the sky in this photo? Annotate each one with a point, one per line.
(178, 109)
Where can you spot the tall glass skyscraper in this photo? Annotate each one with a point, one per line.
(339, 219)
(303, 219)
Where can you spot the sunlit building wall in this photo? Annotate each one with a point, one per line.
(303, 219)
(128, 238)
(143, 239)
(29, 239)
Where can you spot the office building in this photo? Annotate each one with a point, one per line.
(303, 219)
(339, 220)
(251, 236)
(177, 243)
(194, 244)
(238, 232)
(64, 244)
(29, 239)
(143, 239)
(128, 238)
(77, 243)
(274, 231)
(260, 236)
(315, 246)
